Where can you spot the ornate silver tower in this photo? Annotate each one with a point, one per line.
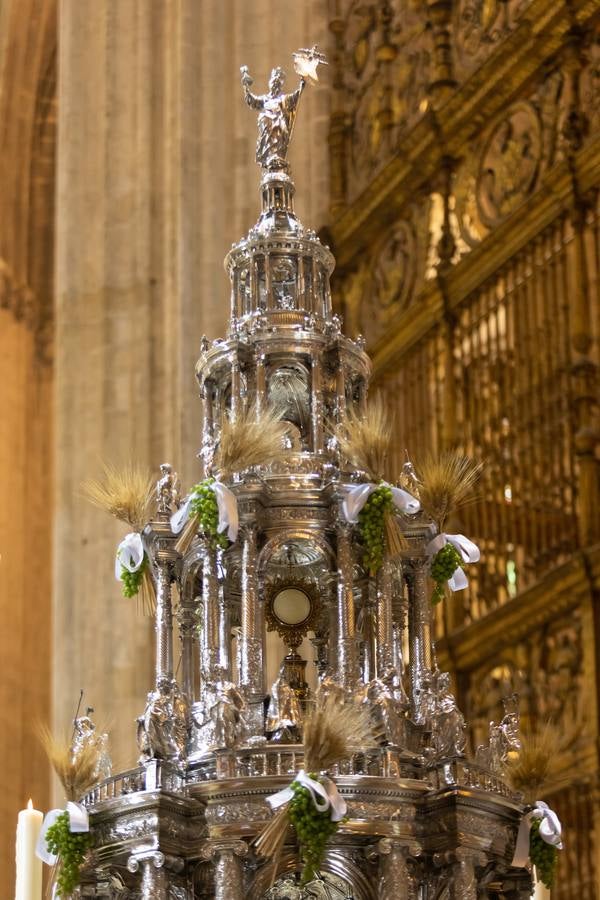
(422, 820)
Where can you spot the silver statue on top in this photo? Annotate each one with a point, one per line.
(277, 110)
(85, 736)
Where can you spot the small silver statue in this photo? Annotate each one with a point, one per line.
(278, 109)
(221, 721)
(409, 480)
(162, 729)
(448, 728)
(284, 715)
(504, 739)
(167, 489)
(388, 705)
(84, 736)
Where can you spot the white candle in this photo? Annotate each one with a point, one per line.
(541, 892)
(29, 867)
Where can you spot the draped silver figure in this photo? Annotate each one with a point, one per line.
(277, 114)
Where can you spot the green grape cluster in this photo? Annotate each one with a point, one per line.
(205, 509)
(71, 849)
(313, 828)
(443, 566)
(542, 855)
(131, 581)
(371, 526)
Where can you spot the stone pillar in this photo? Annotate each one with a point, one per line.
(347, 649)
(143, 220)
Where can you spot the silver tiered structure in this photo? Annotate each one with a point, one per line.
(423, 821)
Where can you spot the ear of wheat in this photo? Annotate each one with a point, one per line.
(448, 483)
(250, 438)
(365, 439)
(125, 493)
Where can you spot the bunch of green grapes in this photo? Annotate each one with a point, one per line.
(71, 849)
(131, 581)
(313, 828)
(443, 566)
(542, 855)
(205, 509)
(371, 526)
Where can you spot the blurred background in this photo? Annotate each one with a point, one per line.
(450, 157)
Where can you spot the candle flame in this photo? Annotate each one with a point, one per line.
(30, 803)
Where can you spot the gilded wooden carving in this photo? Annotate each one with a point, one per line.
(474, 275)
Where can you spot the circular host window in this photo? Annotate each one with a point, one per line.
(291, 606)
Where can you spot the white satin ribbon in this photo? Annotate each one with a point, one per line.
(181, 515)
(130, 554)
(550, 832)
(226, 504)
(228, 510)
(469, 553)
(324, 793)
(79, 822)
(358, 494)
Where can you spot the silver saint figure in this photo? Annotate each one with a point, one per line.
(276, 118)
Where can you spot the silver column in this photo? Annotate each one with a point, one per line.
(317, 404)
(261, 382)
(395, 882)
(207, 420)
(229, 869)
(236, 387)
(383, 617)
(164, 624)
(209, 651)
(347, 650)
(463, 882)
(340, 390)
(188, 618)
(252, 631)
(154, 884)
(419, 625)
(164, 556)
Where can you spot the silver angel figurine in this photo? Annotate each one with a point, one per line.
(167, 489)
(84, 736)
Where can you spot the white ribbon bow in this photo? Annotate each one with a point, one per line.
(226, 504)
(358, 494)
(468, 551)
(324, 793)
(130, 554)
(550, 832)
(79, 822)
